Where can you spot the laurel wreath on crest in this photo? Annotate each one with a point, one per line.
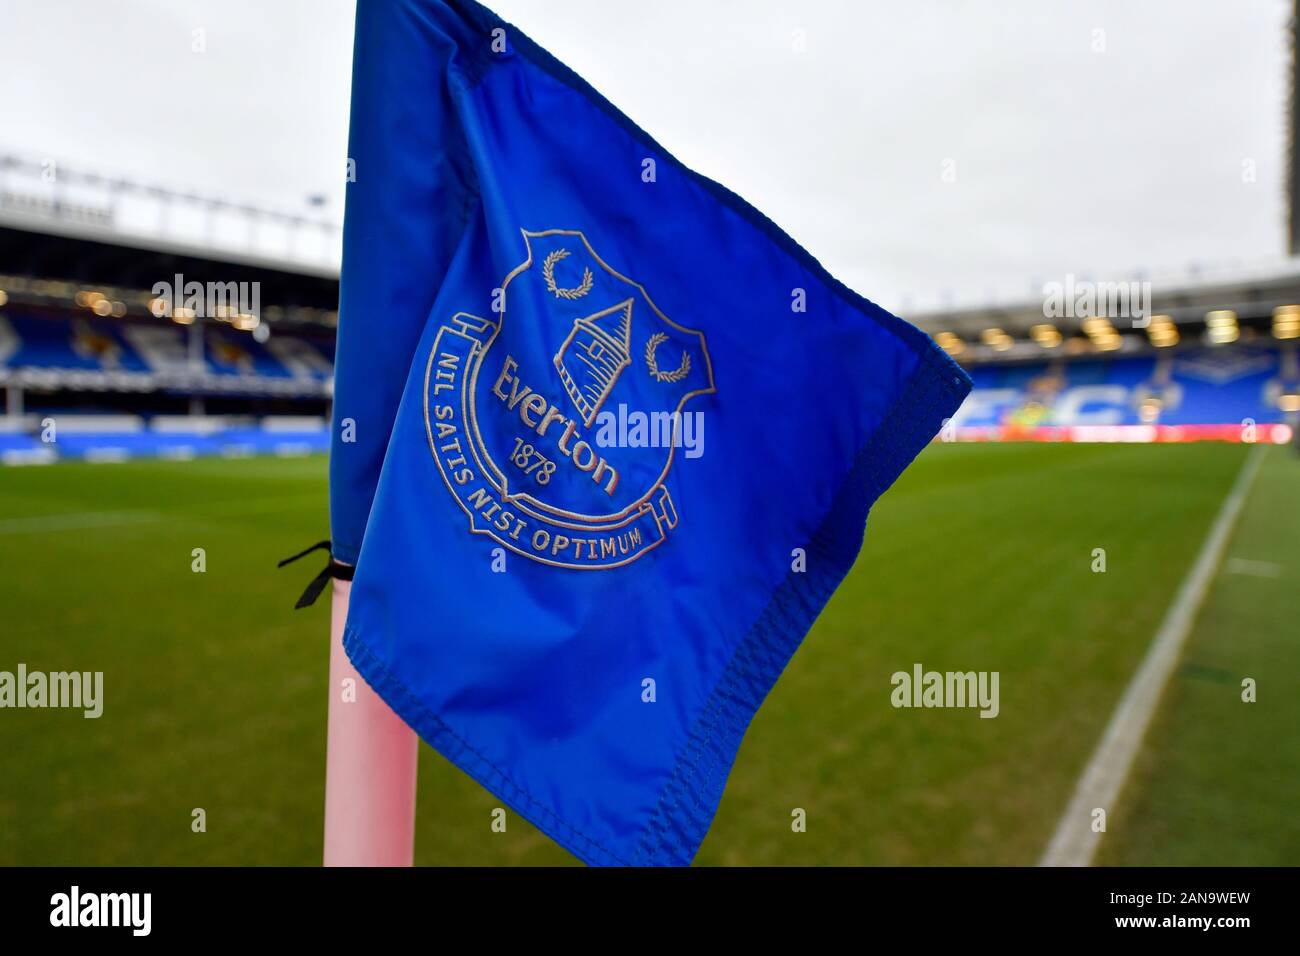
(674, 376)
(548, 273)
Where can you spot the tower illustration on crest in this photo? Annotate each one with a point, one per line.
(593, 356)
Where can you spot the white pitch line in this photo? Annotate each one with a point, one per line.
(1074, 842)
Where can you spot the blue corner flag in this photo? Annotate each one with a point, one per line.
(605, 437)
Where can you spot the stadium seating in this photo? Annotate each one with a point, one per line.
(77, 355)
(48, 345)
(1172, 396)
(1179, 395)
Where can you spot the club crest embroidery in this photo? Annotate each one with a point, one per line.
(526, 413)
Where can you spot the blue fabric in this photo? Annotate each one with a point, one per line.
(586, 625)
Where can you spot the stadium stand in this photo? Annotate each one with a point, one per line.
(144, 356)
(96, 365)
(91, 360)
(1167, 397)
(78, 365)
(1205, 359)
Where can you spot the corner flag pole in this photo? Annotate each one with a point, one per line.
(370, 765)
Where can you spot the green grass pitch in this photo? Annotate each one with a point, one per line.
(979, 559)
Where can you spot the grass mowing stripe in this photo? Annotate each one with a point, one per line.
(76, 521)
(1075, 842)
(85, 520)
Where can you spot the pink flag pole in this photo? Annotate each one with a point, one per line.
(370, 765)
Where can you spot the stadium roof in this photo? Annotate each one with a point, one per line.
(1250, 292)
(1076, 317)
(65, 231)
(41, 196)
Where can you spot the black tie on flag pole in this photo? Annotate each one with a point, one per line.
(334, 569)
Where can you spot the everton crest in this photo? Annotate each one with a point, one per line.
(520, 408)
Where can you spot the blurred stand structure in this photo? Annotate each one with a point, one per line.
(44, 195)
(88, 343)
(96, 364)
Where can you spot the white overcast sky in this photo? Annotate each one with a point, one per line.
(1066, 158)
